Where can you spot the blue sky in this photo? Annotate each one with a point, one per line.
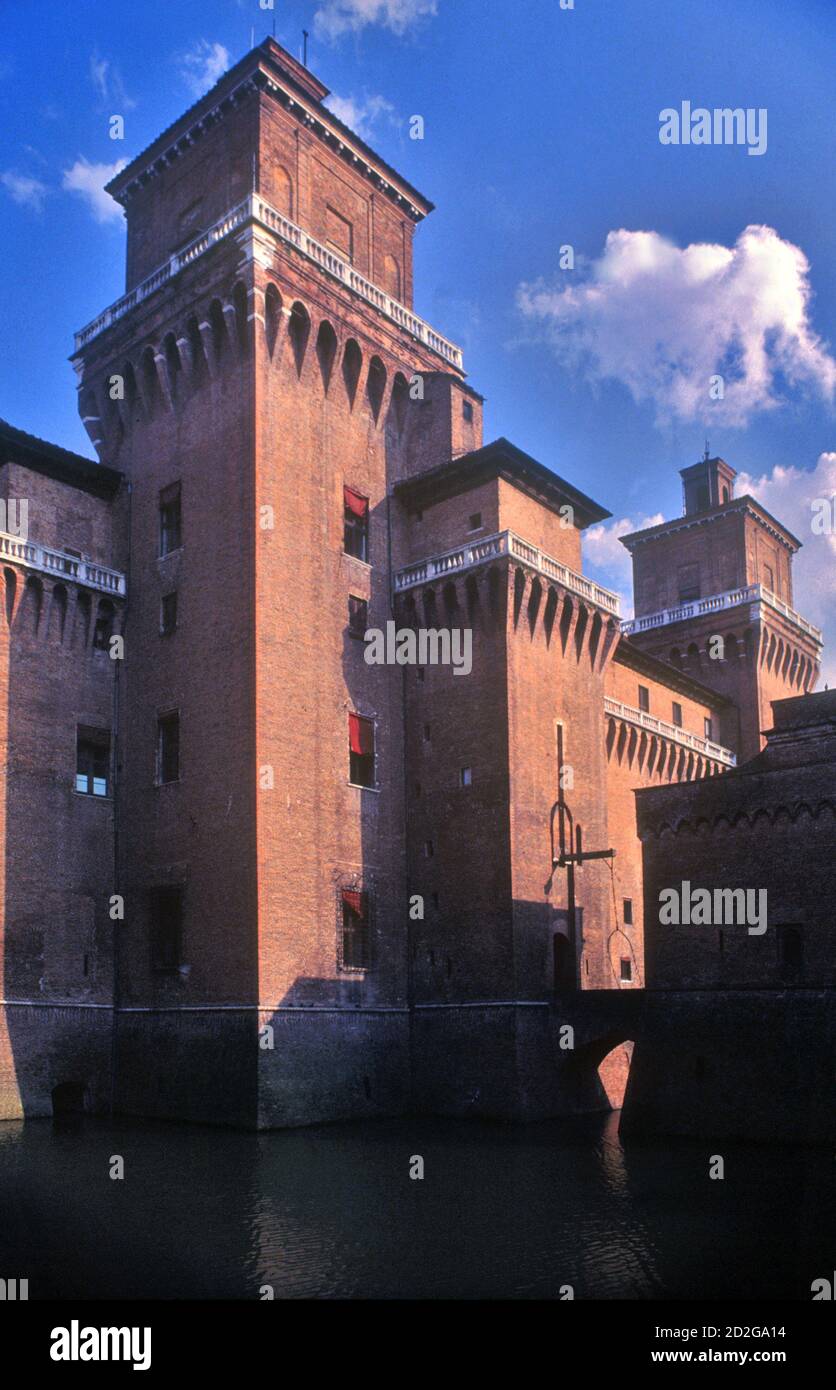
(542, 131)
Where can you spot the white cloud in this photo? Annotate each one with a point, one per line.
(336, 17)
(608, 561)
(108, 83)
(203, 65)
(89, 180)
(364, 115)
(664, 320)
(24, 189)
(789, 493)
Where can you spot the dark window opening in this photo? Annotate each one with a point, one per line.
(171, 537)
(467, 776)
(166, 929)
(358, 615)
(92, 765)
(689, 583)
(677, 715)
(790, 950)
(356, 524)
(361, 751)
(168, 748)
(354, 934)
(644, 699)
(628, 912)
(103, 630)
(626, 968)
(475, 522)
(168, 614)
(467, 411)
(708, 727)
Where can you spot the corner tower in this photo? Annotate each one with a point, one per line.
(724, 570)
(254, 386)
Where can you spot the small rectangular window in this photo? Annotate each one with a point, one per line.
(708, 727)
(628, 912)
(92, 761)
(168, 747)
(688, 583)
(171, 537)
(626, 968)
(475, 522)
(677, 715)
(358, 616)
(467, 411)
(429, 849)
(466, 776)
(356, 524)
(644, 699)
(166, 929)
(168, 614)
(354, 933)
(361, 751)
(769, 578)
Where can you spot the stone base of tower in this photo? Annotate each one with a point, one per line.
(54, 1058)
(335, 1064)
(197, 1065)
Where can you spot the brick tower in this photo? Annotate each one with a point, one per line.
(266, 345)
(724, 570)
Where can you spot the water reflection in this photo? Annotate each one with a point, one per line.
(332, 1212)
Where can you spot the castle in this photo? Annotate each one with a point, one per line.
(249, 877)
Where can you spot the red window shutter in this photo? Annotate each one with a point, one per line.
(354, 503)
(356, 901)
(360, 735)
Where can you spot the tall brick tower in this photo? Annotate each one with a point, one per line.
(724, 569)
(261, 363)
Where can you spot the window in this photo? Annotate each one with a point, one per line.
(677, 715)
(467, 411)
(708, 727)
(103, 630)
(166, 929)
(466, 776)
(628, 912)
(790, 950)
(689, 583)
(769, 578)
(92, 761)
(361, 751)
(429, 849)
(354, 932)
(475, 522)
(358, 615)
(170, 522)
(644, 699)
(356, 534)
(427, 732)
(339, 234)
(168, 614)
(168, 747)
(626, 972)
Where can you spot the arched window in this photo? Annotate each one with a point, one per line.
(392, 277)
(282, 191)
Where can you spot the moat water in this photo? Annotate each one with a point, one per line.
(332, 1212)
